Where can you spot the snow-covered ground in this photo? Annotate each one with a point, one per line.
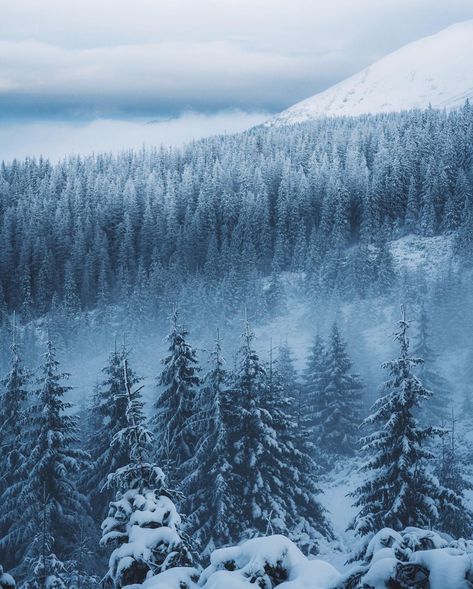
(432, 255)
(435, 70)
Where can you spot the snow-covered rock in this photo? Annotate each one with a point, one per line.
(436, 70)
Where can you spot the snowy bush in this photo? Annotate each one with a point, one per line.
(413, 558)
(144, 525)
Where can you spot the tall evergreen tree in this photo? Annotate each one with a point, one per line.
(48, 476)
(455, 517)
(108, 417)
(286, 370)
(436, 409)
(248, 436)
(210, 500)
(313, 384)
(142, 523)
(173, 409)
(305, 519)
(340, 400)
(13, 450)
(272, 477)
(398, 490)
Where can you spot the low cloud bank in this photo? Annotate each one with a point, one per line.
(55, 140)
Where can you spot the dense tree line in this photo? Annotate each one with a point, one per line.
(323, 197)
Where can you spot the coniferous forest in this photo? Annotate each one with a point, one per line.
(241, 363)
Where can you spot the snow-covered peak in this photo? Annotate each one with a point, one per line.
(435, 70)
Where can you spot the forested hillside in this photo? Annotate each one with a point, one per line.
(323, 198)
(278, 262)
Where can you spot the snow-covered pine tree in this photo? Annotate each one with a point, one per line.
(340, 400)
(209, 499)
(312, 385)
(41, 567)
(13, 406)
(173, 409)
(270, 476)
(142, 523)
(455, 517)
(48, 475)
(436, 408)
(305, 520)
(249, 437)
(107, 417)
(398, 490)
(287, 374)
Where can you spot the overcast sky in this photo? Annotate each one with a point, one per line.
(76, 62)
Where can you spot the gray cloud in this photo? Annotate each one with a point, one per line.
(122, 58)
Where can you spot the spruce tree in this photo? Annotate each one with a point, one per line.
(455, 517)
(173, 409)
(108, 417)
(340, 400)
(398, 490)
(305, 521)
(271, 475)
(48, 475)
(436, 409)
(248, 436)
(288, 375)
(13, 450)
(209, 498)
(142, 523)
(313, 384)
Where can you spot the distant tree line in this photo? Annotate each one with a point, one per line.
(322, 198)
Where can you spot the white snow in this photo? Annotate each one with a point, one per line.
(448, 567)
(176, 578)
(311, 574)
(254, 560)
(436, 70)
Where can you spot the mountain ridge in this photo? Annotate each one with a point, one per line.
(433, 71)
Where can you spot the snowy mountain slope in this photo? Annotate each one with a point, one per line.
(435, 70)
